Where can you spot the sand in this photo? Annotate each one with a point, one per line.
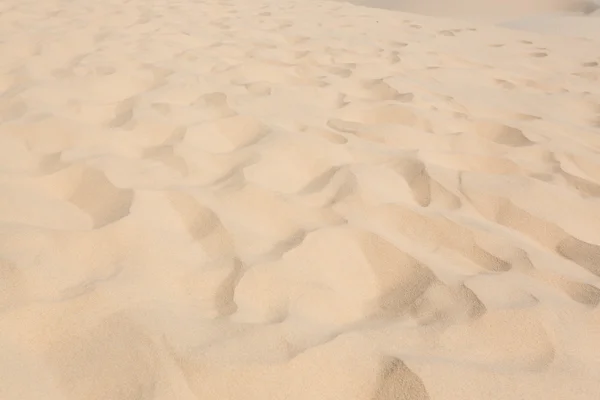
(487, 10)
(295, 200)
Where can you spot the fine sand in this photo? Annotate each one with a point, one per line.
(294, 200)
(486, 10)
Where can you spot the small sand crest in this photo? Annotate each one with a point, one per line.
(328, 298)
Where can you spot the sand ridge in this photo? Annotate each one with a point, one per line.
(293, 200)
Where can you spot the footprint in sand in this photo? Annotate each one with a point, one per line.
(505, 84)
(167, 155)
(582, 253)
(400, 45)
(89, 190)
(213, 106)
(259, 89)
(226, 135)
(99, 198)
(376, 89)
(202, 225)
(447, 33)
(415, 173)
(123, 113)
(339, 71)
(394, 57)
(539, 54)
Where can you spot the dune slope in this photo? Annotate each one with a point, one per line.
(294, 200)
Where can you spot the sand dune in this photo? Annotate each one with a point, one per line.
(299, 200)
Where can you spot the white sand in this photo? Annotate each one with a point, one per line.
(295, 200)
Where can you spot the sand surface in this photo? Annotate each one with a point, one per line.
(244, 200)
(493, 11)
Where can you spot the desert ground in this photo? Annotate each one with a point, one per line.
(299, 199)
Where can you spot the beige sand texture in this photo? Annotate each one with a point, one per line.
(486, 10)
(244, 200)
